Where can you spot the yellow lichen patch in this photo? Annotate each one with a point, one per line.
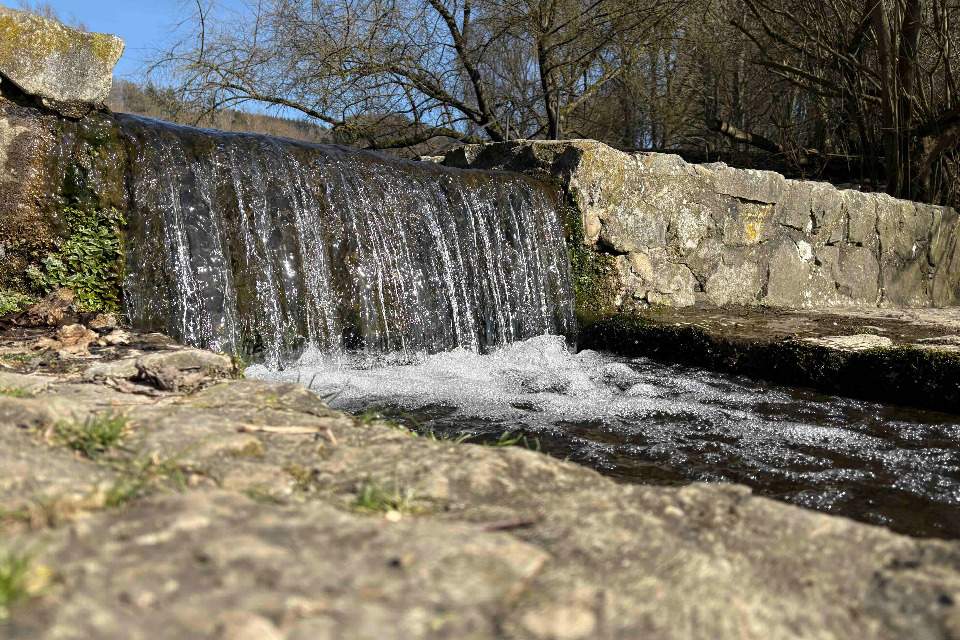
(753, 218)
(27, 41)
(107, 49)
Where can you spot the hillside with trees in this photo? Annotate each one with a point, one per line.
(857, 91)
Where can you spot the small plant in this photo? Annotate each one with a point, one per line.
(15, 392)
(376, 498)
(372, 416)
(13, 302)
(508, 439)
(139, 476)
(95, 436)
(456, 438)
(12, 359)
(19, 579)
(302, 476)
(90, 261)
(240, 363)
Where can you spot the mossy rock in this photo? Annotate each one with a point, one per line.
(65, 67)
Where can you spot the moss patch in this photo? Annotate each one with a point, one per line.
(23, 35)
(13, 302)
(593, 274)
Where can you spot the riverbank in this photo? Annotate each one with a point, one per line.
(153, 494)
(895, 356)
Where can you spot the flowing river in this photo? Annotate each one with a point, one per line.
(640, 421)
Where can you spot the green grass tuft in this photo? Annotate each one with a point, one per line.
(509, 439)
(139, 477)
(16, 581)
(377, 498)
(13, 302)
(95, 436)
(15, 392)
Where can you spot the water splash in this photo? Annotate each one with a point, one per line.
(266, 246)
(642, 421)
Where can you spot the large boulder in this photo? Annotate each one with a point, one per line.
(69, 70)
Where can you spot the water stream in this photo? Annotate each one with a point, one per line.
(440, 297)
(266, 247)
(641, 421)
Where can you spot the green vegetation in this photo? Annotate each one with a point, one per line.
(372, 416)
(19, 579)
(139, 476)
(90, 261)
(13, 302)
(509, 439)
(16, 358)
(302, 476)
(95, 436)
(377, 498)
(14, 392)
(240, 363)
(593, 274)
(456, 438)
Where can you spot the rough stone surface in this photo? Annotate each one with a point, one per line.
(230, 512)
(684, 234)
(902, 356)
(47, 163)
(69, 69)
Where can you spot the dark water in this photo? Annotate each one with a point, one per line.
(640, 421)
(267, 246)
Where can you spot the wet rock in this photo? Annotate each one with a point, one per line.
(915, 361)
(69, 70)
(856, 342)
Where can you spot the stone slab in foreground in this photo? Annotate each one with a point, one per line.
(900, 356)
(233, 512)
(69, 69)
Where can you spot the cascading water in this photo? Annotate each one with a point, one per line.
(267, 246)
(346, 271)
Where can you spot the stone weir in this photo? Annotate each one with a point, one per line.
(667, 233)
(748, 272)
(264, 246)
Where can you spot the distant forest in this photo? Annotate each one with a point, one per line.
(860, 92)
(148, 100)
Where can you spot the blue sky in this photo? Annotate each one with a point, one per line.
(145, 25)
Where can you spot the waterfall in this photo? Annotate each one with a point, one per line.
(266, 246)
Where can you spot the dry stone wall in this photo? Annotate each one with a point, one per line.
(679, 234)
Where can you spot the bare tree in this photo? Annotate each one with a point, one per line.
(465, 69)
(878, 75)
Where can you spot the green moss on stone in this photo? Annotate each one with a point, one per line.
(26, 35)
(594, 274)
(13, 302)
